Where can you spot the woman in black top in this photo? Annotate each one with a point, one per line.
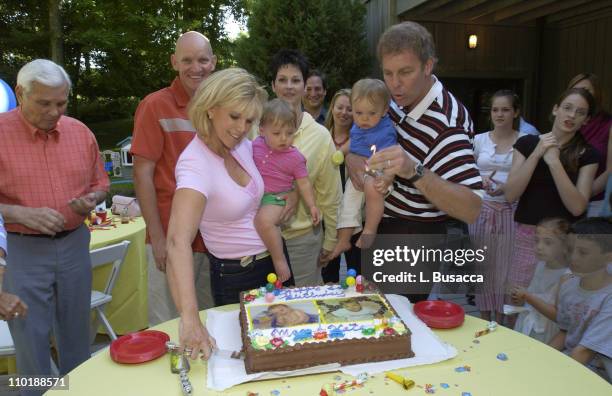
(551, 176)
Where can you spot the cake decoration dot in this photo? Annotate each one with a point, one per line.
(502, 356)
(444, 385)
(269, 297)
(271, 278)
(466, 394)
(351, 272)
(275, 392)
(276, 292)
(350, 281)
(343, 284)
(269, 287)
(368, 331)
(278, 284)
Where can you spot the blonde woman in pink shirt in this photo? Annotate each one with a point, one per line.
(219, 190)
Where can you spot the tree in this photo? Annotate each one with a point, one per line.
(331, 33)
(115, 51)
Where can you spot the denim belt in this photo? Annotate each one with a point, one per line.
(58, 235)
(246, 260)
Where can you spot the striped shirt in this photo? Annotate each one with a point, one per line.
(438, 133)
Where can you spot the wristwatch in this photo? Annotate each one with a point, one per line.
(419, 171)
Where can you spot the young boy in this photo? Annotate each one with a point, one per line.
(280, 164)
(584, 304)
(372, 128)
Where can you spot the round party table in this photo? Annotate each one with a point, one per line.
(531, 368)
(127, 312)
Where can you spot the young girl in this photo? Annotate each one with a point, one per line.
(551, 176)
(553, 252)
(279, 164)
(373, 127)
(597, 132)
(494, 227)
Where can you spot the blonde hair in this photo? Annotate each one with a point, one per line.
(329, 119)
(233, 87)
(278, 111)
(374, 90)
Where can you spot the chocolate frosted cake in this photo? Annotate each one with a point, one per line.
(308, 326)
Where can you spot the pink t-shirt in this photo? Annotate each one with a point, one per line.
(227, 224)
(278, 168)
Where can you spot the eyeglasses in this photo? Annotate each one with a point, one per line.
(579, 111)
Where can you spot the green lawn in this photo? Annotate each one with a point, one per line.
(108, 133)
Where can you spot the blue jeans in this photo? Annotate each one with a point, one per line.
(228, 277)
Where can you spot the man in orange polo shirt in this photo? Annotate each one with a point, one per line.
(162, 130)
(51, 177)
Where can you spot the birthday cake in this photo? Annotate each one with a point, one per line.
(300, 327)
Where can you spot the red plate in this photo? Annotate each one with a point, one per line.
(139, 347)
(440, 314)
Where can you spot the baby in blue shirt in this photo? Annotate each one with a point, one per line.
(372, 128)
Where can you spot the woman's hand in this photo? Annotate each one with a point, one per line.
(194, 338)
(546, 142)
(517, 294)
(492, 186)
(355, 166)
(11, 307)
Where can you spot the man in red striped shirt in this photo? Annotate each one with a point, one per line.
(433, 164)
(162, 130)
(51, 177)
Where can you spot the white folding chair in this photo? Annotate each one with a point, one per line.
(113, 254)
(7, 347)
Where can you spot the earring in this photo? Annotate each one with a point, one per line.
(209, 116)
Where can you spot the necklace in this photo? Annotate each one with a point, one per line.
(340, 144)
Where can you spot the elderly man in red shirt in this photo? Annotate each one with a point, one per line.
(51, 177)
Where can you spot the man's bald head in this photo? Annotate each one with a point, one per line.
(193, 59)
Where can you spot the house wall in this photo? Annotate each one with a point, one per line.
(584, 45)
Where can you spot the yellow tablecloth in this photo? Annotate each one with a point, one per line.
(128, 310)
(532, 368)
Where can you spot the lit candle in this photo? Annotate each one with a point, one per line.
(373, 150)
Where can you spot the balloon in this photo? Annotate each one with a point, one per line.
(7, 97)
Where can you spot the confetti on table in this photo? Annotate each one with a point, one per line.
(445, 385)
(463, 368)
(429, 389)
(466, 394)
(337, 378)
(502, 356)
(275, 392)
(476, 341)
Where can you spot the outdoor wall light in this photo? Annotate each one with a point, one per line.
(472, 41)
